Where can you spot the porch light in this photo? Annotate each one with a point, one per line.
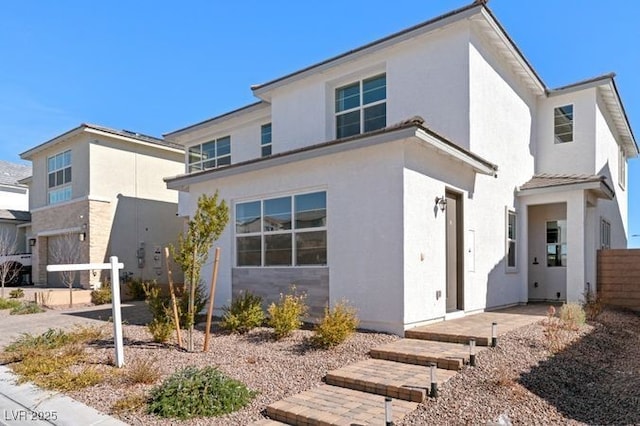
(388, 413)
(472, 352)
(32, 242)
(441, 202)
(494, 334)
(434, 381)
(82, 236)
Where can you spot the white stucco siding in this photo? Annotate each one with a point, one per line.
(364, 224)
(429, 78)
(502, 117)
(14, 198)
(552, 157)
(608, 164)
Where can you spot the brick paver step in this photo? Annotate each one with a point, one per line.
(398, 380)
(332, 405)
(267, 422)
(478, 326)
(448, 356)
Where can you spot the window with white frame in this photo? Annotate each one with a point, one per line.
(563, 124)
(361, 106)
(283, 231)
(511, 240)
(557, 243)
(605, 234)
(59, 177)
(210, 155)
(265, 139)
(622, 168)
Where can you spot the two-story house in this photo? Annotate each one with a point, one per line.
(98, 192)
(14, 208)
(423, 176)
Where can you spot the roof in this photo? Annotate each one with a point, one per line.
(227, 115)
(413, 127)
(562, 181)
(16, 215)
(106, 131)
(11, 173)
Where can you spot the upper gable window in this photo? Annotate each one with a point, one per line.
(210, 155)
(59, 177)
(265, 139)
(361, 106)
(563, 124)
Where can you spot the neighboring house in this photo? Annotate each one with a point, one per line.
(14, 221)
(98, 192)
(423, 176)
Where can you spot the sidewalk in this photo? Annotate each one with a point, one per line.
(26, 404)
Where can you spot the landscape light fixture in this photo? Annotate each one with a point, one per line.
(472, 352)
(494, 334)
(388, 413)
(434, 380)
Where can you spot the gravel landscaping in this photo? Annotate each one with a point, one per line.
(594, 380)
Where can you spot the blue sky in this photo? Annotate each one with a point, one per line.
(154, 66)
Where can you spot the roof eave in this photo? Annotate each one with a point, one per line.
(601, 189)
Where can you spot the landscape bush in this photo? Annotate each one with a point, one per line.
(136, 289)
(286, 315)
(161, 324)
(194, 392)
(25, 308)
(336, 326)
(9, 303)
(244, 314)
(18, 293)
(572, 315)
(101, 296)
(592, 306)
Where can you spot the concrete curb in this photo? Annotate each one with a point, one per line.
(27, 404)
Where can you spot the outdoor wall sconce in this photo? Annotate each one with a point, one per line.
(441, 202)
(32, 242)
(82, 236)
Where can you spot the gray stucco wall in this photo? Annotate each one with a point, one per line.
(268, 283)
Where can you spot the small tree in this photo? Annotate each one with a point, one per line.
(208, 222)
(8, 246)
(66, 250)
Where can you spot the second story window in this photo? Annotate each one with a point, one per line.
(59, 177)
(622, 168)
(361, 106)
(210, 155)
(265, 139)
(563, 124)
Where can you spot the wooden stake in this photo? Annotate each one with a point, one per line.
(212, 293)
(176, 317)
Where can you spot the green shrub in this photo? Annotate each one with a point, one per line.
(244, 314)
(101, 296)
(286, 315)
(160, 330)
(183, 303)
(26, 308)
(136, 289)
(18, 293)
(9, 304)
(336, 325)
(194, 392)
(572, 315)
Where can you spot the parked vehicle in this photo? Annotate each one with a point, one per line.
(20, 263)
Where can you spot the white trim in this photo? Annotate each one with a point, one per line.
(72, 201)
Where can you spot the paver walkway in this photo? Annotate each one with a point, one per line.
(354, 394)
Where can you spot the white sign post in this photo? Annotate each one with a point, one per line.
(115, 296)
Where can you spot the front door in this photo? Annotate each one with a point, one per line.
(453, 217)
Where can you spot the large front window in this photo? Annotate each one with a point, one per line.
(563, 124)
(59, 177)
(210, 155)
(361, 106)
(283, 231)
(557, 243)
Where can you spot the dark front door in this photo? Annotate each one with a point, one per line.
(453, 218)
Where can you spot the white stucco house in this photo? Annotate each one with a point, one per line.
(426, 175)
(14, 207)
